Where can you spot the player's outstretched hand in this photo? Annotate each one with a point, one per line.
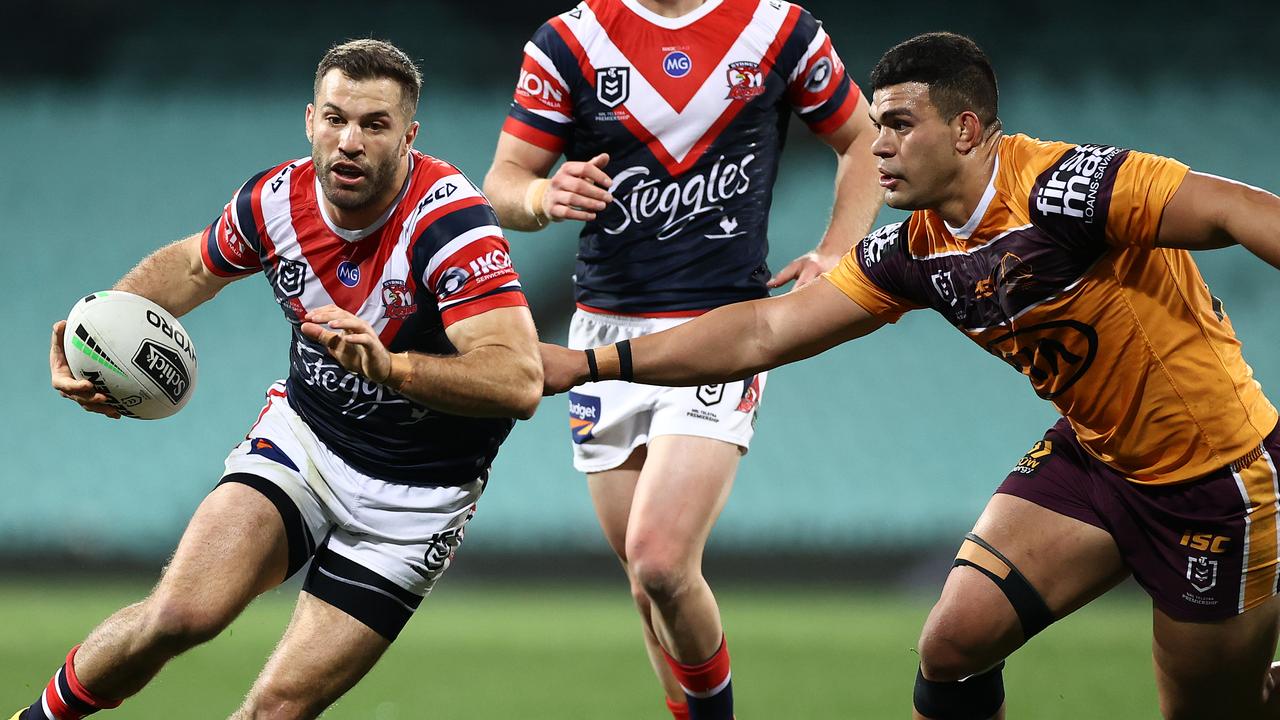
(562, 368)
(577, 190)
(67, 385)
(804, 269)
(350, 340)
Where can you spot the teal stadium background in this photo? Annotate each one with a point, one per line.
(127, 126)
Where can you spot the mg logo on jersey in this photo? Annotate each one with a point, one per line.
(397, 299)
(349, 273)
(1202, 572)
(677, 64)
(492, 262)
(745, 80)
(584, 413)
(613, 85)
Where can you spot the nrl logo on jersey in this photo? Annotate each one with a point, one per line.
(746, 81)
(613, 85)
(291, 278)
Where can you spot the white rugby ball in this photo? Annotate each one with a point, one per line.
(133, 351)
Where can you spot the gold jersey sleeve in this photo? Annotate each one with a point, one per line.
(1144, 185)
(851, 275)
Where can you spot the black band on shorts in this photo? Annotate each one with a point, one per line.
(624, 361)
(977, 697)
(592, 367)
(361, 593)
(1033, 613)
(298, 537)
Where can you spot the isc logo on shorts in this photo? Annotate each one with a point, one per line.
(584, 413)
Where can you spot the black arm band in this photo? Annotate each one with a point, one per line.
(592, 367)
(624, 361)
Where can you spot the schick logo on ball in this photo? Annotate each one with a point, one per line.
(677, 64)
(349, 273)
(584, 413)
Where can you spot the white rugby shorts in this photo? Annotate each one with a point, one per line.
(379, 547)
(610, 419)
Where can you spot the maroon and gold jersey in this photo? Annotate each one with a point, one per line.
(1058, 275)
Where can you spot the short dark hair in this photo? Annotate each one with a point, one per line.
(958, 74)
(369, 59)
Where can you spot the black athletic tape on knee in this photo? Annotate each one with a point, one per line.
(977, 697)
(297, 536)
(1033, 613)
(361, 593)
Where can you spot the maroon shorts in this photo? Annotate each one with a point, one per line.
(1204, 550)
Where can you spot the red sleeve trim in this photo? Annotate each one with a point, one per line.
(832, 122)
(533, 135)
(465, 310)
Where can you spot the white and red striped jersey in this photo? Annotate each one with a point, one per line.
(693, 112)
(435, 257)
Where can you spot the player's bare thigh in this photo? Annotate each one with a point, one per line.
(1217, 669)
(1069, 563)
(322, 655)
(612, 492)
(682, 489)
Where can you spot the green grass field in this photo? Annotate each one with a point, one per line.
(482, 652)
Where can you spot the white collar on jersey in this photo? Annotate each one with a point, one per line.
(358, 235)
(963, 233)
(675, 23)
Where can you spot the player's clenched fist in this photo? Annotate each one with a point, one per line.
(350, 340)
(562, 368)
(577, 190)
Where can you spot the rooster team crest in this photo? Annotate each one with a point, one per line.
(613, 85)
(397, 299)
(745, 80)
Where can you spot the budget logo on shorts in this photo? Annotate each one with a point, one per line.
(584, 413)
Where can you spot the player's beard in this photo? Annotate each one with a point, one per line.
(377, 179)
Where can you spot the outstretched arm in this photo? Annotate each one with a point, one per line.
(1210, 212)
(726, 344)
(495, 373)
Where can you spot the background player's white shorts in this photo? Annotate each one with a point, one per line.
(404, 533)
(608, 420)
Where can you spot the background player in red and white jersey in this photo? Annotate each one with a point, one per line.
(672, 115)
(368, 461)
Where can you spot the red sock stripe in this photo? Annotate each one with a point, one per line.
(703, 677)
(53, 704)
(79, 690)
(679, 711)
